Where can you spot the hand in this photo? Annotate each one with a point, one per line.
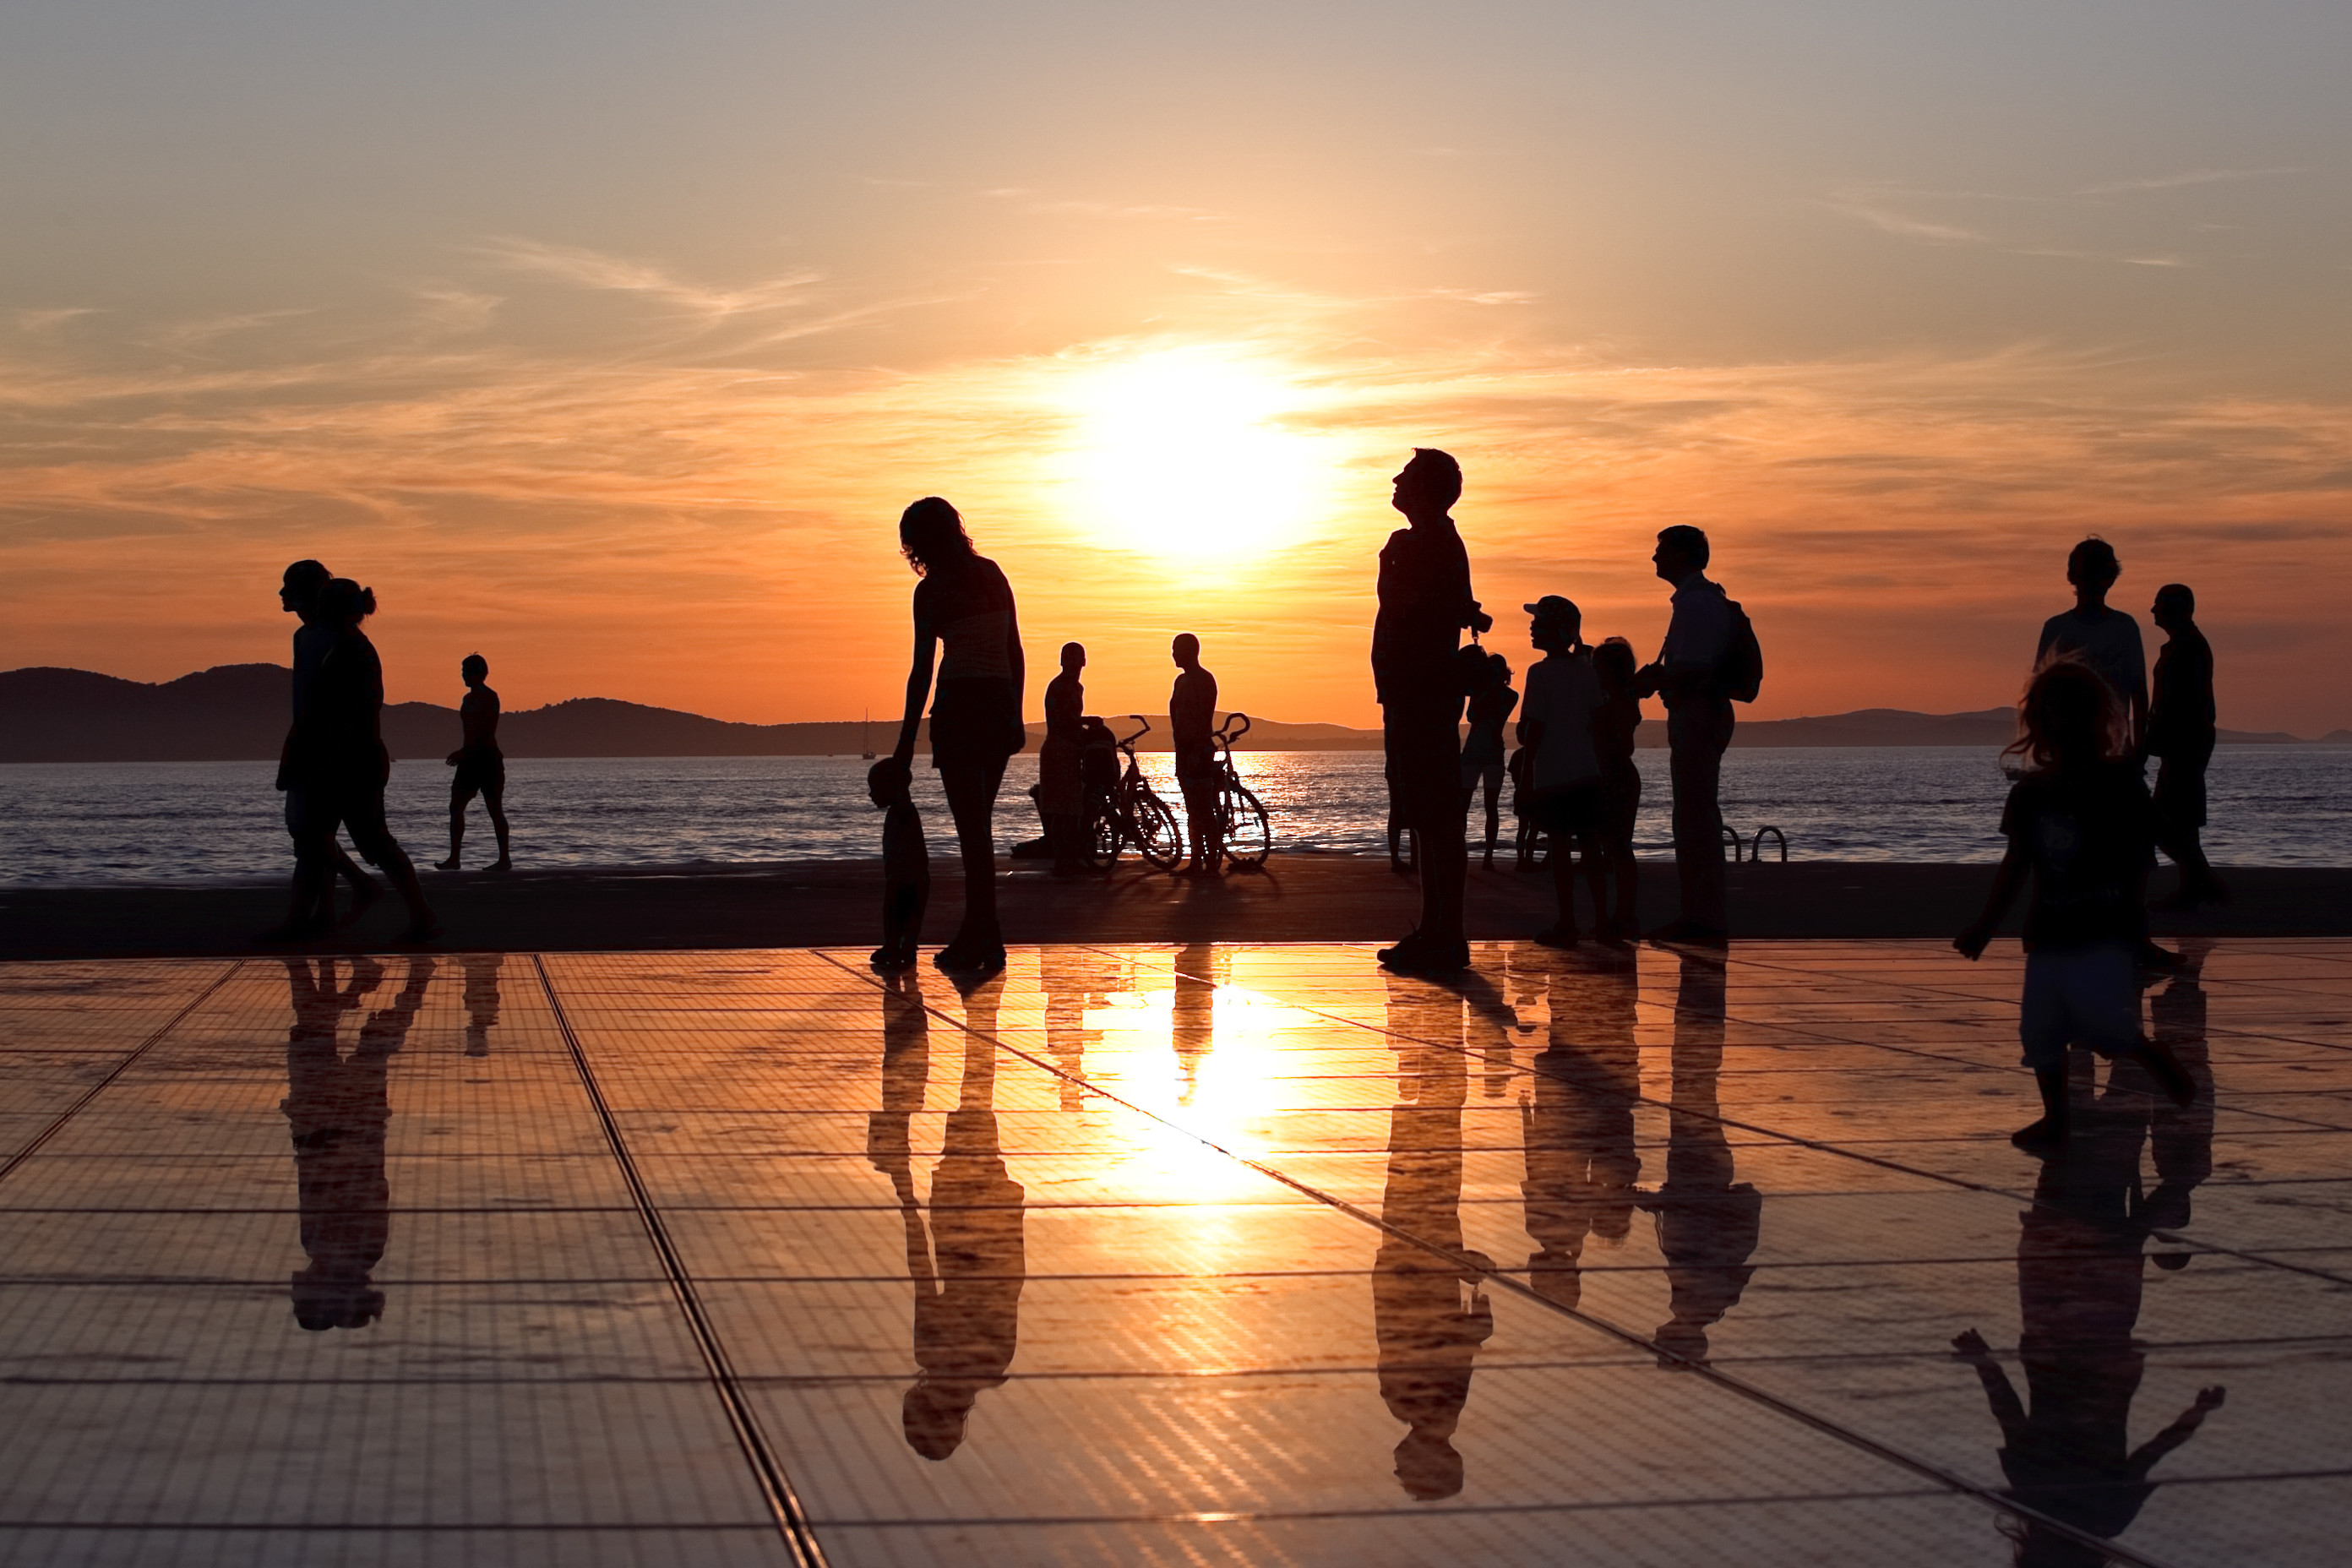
(1480, 621)
(2210, 1398)
(1972, 942)
(1971, 1345)
(1649, 679)
(451, 760)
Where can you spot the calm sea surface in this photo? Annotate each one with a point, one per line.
(67, 825)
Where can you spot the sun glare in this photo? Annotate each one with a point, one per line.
(1183, 453)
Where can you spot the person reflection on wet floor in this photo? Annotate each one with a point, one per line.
(1577, 1127)
(337, 1109)
(1074, 978)
(1707, 1224)
(2067, 1453)
(481, 999)
(1192, 1021)
(968, 1270)
(1428, 1312)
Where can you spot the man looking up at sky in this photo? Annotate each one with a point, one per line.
(1425, 601)
(1689, 675)
(1192, 715)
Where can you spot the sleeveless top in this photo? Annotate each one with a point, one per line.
(973, 617)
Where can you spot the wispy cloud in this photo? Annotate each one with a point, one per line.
(594, 269)
(2176, 181)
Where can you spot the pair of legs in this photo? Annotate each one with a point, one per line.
(311, 907)
(362, 810)
(1697, 731)
(2180, 818)
(971, 784)
(1489, 777)
(1424, 771)
(2085, 996)
(494, 798)
(1405, 849)
(1203, 831)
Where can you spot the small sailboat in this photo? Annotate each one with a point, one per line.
(865, 737)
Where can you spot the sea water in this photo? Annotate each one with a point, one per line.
(69, 824)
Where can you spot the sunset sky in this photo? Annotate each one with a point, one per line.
(609, 340)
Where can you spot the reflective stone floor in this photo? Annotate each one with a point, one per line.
(1194, 1256)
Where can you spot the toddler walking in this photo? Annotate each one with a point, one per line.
(906, 865)
(2080, 824)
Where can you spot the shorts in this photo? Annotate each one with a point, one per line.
(1566, 810)
(1423, 748)
(2079, 996)
(975, 724)
(2180, 795)
(1478, 768)
(479, 772)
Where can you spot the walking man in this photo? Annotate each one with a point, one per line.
(1425, 601)
(1192, 715)
(2180, 736)
(1689, 675)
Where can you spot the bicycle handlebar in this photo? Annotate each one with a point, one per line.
(1131, 740)
(1229, 734)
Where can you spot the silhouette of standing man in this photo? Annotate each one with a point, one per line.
(2180, 735)
(1192, 715)
(1425, 601)
(1688, 675)
(482, 766)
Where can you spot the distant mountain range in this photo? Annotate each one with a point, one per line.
(239, 711)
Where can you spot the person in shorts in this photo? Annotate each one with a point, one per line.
(2080, 827)
(1619, 715)
(2180, 736)
(482, 766)
(1491, 702)
(1556, 725)
(1192, 716)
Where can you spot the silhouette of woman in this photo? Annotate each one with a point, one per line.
(482, 766)
(337, 757)
(965, 620)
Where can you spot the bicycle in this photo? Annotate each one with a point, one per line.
(1132, 813)
(1243, 826)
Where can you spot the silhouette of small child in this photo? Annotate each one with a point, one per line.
(2080, 827)
(906, 865)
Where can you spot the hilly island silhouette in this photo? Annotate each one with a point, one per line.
(237, 712)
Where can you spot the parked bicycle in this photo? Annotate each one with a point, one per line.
(1242, 823)
(1132, 814)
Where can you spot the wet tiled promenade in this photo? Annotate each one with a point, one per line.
(1196, 1255)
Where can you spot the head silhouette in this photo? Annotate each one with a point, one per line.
(1074, 657)
(474, 670)
(1185, 650)
(1498, 670)
(1428, 1465)
(1682, 551)
(2068, 718)
(300, 588)
(931, 534)
(1554, 624)
(2175, 606)
(888, 783)
(2092, 565)
(1613, 662)
(934, 1414)
(1428, 485)
(345, 603)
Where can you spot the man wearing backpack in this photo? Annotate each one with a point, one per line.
(1710, 657)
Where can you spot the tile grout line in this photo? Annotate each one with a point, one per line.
(1712, 1374)
(792, 1520)
(140, 1050)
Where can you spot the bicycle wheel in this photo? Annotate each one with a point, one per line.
(1103, 837)
(1154, 829)
(1248, 835)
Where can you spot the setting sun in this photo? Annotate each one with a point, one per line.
(1183, 453)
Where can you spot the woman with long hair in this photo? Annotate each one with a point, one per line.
(337, 756)
(968, 636)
